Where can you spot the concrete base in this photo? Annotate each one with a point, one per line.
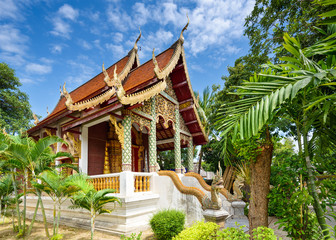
(216, 216)
(132, 216)
(238, 216)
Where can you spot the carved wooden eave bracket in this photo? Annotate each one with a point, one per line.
(85, 104)
(119, 128)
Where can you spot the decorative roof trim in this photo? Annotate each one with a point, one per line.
(163, 73)
(193, 95)
(133, 56)
(142, 95)
(79, 106)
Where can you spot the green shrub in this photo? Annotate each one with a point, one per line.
(133, 236)
(232, 233)
(167, 223)
(263, 233)
(199, 231)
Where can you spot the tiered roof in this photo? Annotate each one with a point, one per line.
(130, 83)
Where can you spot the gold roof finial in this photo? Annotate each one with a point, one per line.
(135, 44)
(48, 111)
(185, 28)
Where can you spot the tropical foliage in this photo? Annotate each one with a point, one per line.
(90, 199)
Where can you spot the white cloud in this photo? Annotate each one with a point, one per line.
(35, 68)
(61, 21)
(13, 45)
(11, 39)
(9, 10)
(155, 40)
(84, 44)
(57, 48)
(117, 50)
(81, 71)
(119, 18)
(118, 37)
(141, 13)
(66, 11)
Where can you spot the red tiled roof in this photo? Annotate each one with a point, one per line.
(145, 72)
(88, 88)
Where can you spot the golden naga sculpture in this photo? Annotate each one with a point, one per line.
(119, 128)
(73, 144)
(36, 120)
(163, 73)
(207, 203)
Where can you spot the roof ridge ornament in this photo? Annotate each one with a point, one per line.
(178, 45)
(185, 28)
(137, 40)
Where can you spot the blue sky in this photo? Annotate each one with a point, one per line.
(52, 42)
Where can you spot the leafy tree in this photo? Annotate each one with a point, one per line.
(15, 113)
(90, 199)
(301, 79)
(270, 20)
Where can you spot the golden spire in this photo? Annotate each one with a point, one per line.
(185, 28)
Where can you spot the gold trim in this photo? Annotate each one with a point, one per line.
(92, 102)
(142, 95)
(119, 129)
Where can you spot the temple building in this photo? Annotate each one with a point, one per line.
(114, 126)
(121, 118)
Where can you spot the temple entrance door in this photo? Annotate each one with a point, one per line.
(137, 158)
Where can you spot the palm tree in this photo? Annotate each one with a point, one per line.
(59, 190)
(6, 189)
(299, 78)
(29, 156)
(90, 199)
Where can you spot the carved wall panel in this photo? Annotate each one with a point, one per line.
(169, 89)
(142, 122)
(166, 110)
(146, 108)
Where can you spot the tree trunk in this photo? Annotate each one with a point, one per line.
(312, 189)
(24, 199)
(43, 213)
(54, 222)
(33, 219)
(17, 199)
(58, 216)
(260, 183)
(200, 160)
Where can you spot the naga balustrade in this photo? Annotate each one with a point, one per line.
(125, 183)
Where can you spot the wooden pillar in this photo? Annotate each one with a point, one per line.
(177, 142)
(152, 138)
(127, 149)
